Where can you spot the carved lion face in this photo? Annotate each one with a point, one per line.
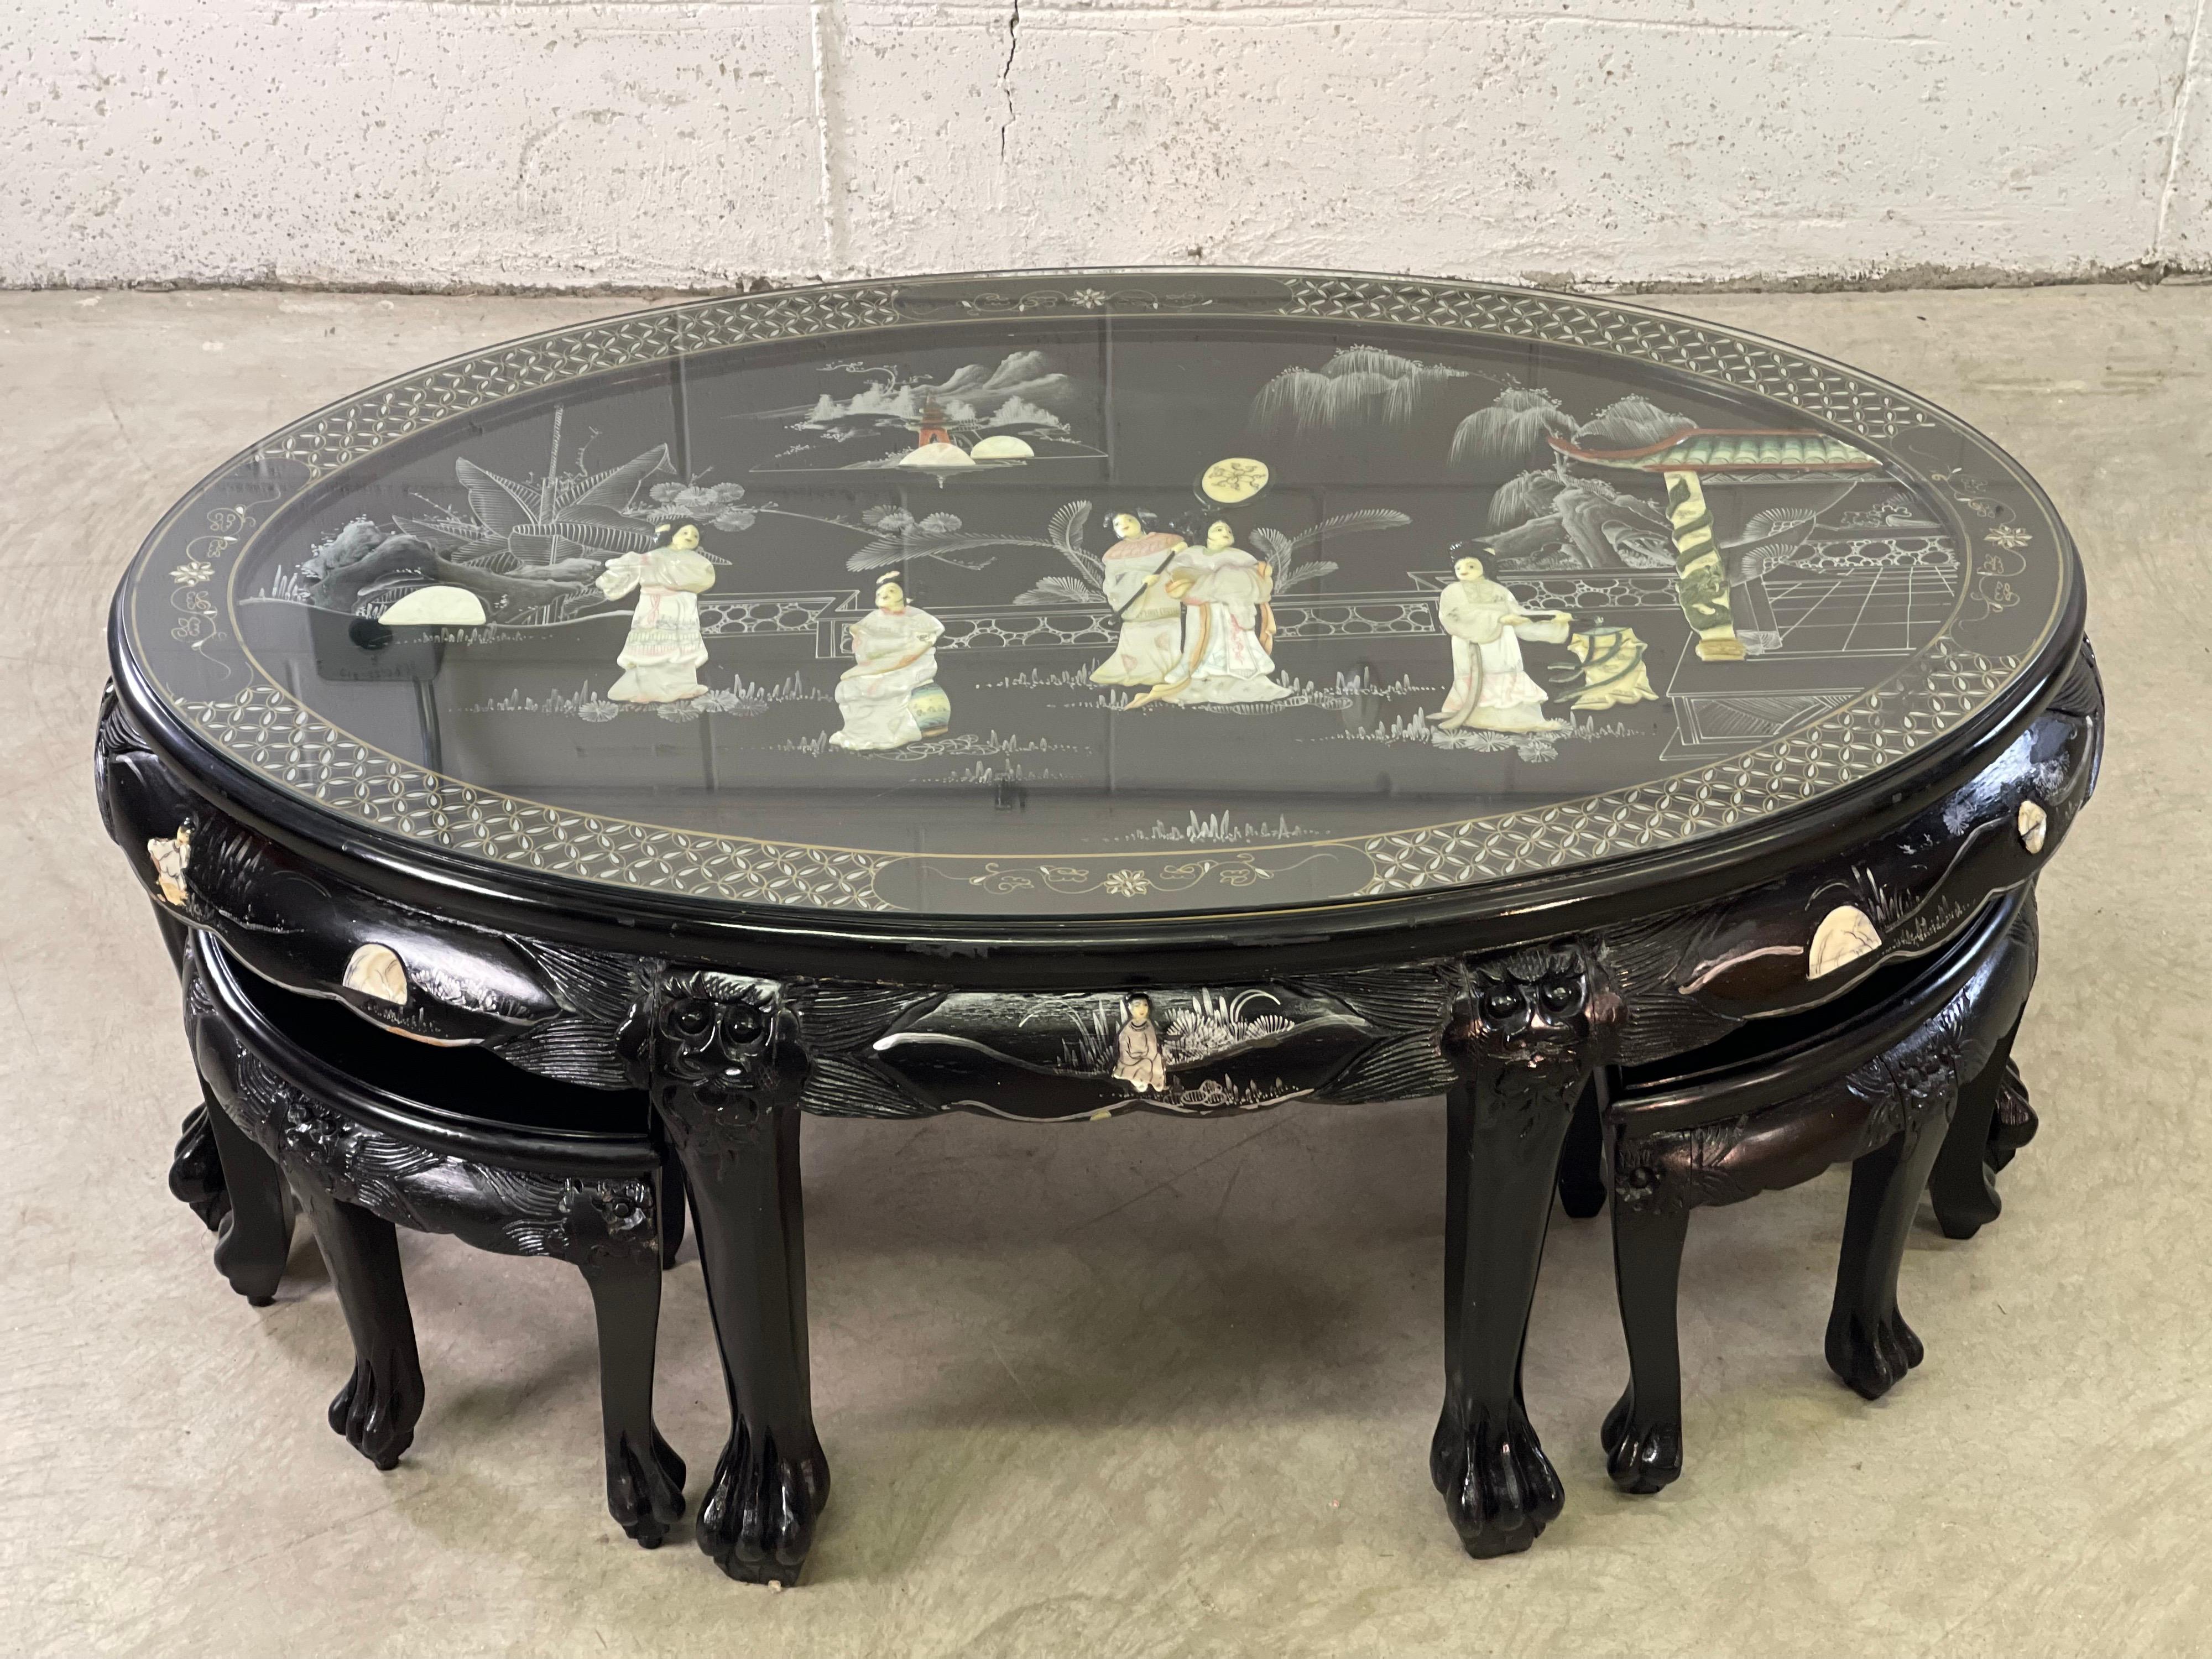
(1530, 1008)
(723, 1040)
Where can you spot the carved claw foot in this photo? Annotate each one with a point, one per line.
(645, 1487)
(1641, 1457)
(757, 1522)
(378, 1408)
(1872, 1356)
(1498, 1487)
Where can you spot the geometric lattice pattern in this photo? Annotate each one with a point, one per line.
(277, 737)
(1933, 697)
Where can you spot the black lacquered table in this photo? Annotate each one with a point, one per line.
(1063, 694)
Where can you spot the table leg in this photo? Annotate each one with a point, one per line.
(1642, 1433)
(1497, 1486)
(254, 1238)
(377, 1409)
(674, 1198)
(1525, 1033)
(757, 1518)
(645, 1477)
(722, 1058)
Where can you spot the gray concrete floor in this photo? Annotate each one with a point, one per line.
(1141, 1387)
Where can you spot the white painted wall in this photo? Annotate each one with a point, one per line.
(673, 142)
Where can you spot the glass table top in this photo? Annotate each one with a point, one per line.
(1117, 593)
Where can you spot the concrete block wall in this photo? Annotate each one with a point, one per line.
(681, 143)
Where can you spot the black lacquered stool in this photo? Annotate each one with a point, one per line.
(371, 1130)
(1914, 1069)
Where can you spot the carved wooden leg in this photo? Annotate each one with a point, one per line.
(255, 1237)
(1582, 1172)
(722, 1057)
(195, 1167)
(2013, 1123)
(1497, 1484)
(645, 1477)
(1642, 1433)
(757, 1518)
(1870, 1345)
(1525, 1034)
(377, 1409)
(674, 1198)
(1963, 1185)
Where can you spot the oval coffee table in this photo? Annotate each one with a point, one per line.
(1055, 694)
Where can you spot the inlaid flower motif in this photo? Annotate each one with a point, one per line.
(1089, 298)
(192, 573)
(2006, 535)
(1128, 884)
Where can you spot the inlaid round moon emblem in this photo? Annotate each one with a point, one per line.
(1845, 935)
(2034, 822)
(1239, 478)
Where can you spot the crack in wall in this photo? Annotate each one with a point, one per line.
(2184, 97)
(1007, 76)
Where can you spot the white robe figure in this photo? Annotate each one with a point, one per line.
(1491, 691)
(1151, 622)
(1224, 592)
(661, 658)
(894, 653)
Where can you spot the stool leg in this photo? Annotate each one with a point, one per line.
(1581, 1174)
(1868, 1345)
(1963, 1184)
(377, 1409)
(645, 1477)
(1642, 1433)
(254, 1240)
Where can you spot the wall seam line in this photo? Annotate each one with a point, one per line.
(820, 22)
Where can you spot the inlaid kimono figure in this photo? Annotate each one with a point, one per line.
(1152, 621)
(1138, 1061)
(1228, 626)
(895, 655)
(1490, 690)
(661, 658)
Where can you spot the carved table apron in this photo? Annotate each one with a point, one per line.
(1660, 681)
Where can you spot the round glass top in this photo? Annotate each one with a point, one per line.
(1119, 593)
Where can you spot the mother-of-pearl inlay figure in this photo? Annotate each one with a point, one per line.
(1490, 690)
(1228, 626)
(895, 655)
(1151, 620)
(661, 659)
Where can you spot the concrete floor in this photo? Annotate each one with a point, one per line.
(1142, 1387)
